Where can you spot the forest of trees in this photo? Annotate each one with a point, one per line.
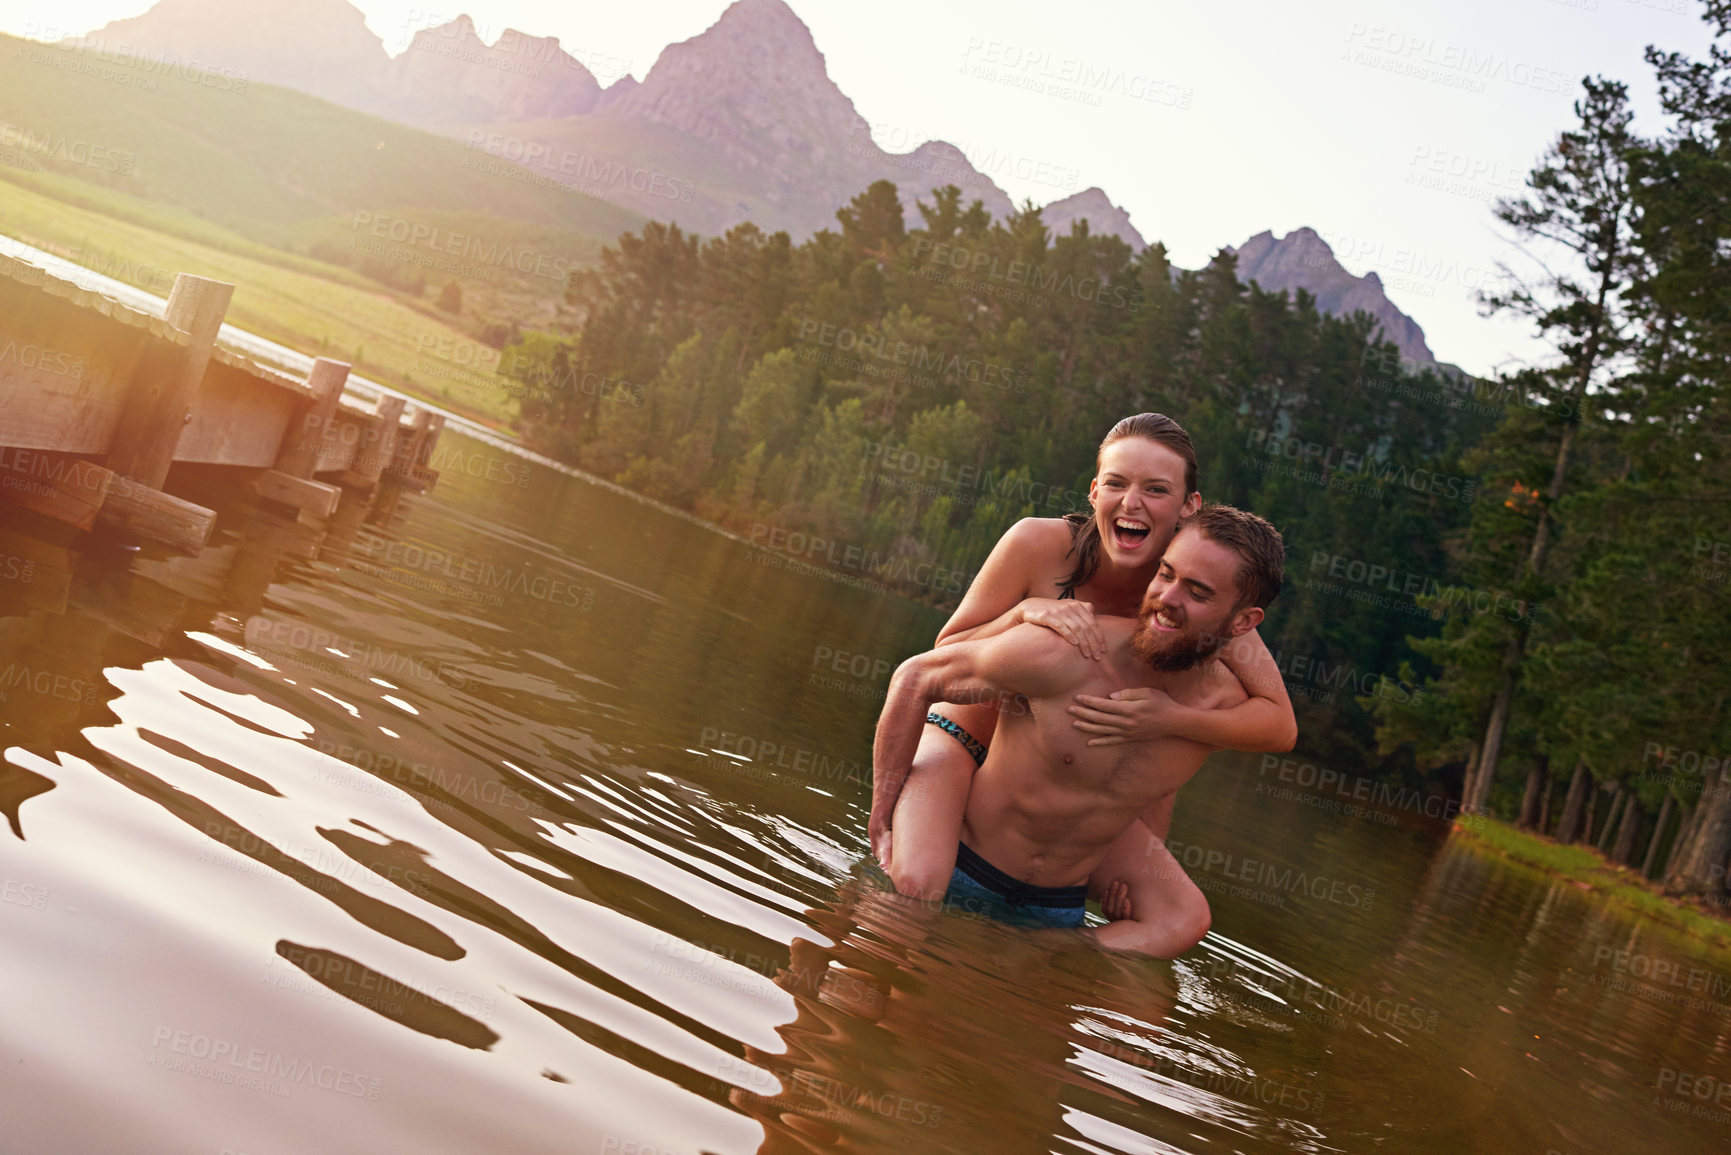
(1520, 581)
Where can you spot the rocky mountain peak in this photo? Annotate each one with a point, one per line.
(1302, 259)
(756, 85)
(450, 75)
(318, 46)
(1094, 206)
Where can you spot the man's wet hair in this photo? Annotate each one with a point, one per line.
(1261, 550)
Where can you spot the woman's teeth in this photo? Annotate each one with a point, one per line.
(1129, 531)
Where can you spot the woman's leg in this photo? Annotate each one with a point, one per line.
(1168, 913)
(927, 824)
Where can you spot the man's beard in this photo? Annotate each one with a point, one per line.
(1172, 652)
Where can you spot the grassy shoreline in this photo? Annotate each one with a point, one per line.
(1588, 870)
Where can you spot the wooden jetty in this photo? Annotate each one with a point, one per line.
(99, 403)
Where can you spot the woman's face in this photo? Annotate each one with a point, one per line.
(1138, 498)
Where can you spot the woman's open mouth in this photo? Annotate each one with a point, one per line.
(1128, 532)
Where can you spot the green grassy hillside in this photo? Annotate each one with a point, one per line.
(313, 308)
(261, 161)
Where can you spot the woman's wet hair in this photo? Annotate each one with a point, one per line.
(1085, 527)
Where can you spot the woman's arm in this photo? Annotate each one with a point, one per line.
(998, 598)
(1262, 725)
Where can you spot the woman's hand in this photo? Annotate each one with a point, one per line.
(1071, 620)
(1127, 716)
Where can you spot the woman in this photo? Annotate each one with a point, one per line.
(1058, 573)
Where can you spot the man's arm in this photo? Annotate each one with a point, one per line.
(1028, 659)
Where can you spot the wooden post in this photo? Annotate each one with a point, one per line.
(158, 405)
(300, 447)
(290, 482)
(435, 426)
(405, 460)
(370, 463)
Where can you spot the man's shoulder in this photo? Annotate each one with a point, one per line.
(1210, 686)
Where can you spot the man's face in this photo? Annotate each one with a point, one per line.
(1187, 613)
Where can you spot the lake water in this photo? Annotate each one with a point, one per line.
(525, 816)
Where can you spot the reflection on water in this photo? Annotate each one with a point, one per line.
(531, 820)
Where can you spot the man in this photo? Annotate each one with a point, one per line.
(1045, 806)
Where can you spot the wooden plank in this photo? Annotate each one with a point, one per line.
(300, 447)
(143, 511)
(314, 497)
(56, 485)
(158, 404)
(66, 360)
(238, 418)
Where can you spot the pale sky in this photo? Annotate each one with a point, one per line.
(1387, 128)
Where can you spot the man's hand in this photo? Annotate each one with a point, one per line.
(1134, 715)
(878, 831)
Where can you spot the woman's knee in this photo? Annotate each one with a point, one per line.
(1191, 919)
(920, 876)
